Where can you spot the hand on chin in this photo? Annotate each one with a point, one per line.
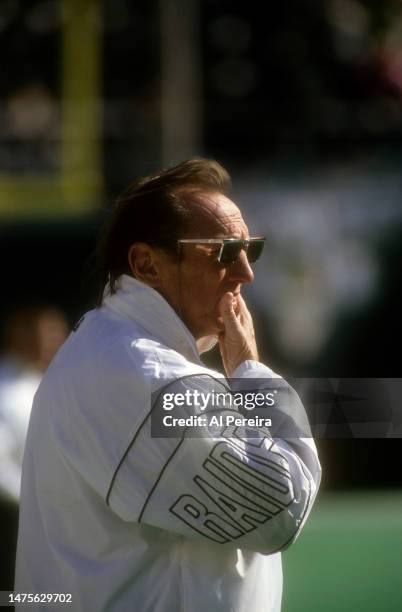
(219, 319)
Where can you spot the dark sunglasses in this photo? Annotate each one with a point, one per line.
(231, 247)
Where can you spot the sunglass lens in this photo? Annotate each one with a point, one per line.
(231, 251)
(254, 250)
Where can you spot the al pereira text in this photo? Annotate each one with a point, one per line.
(219, 420)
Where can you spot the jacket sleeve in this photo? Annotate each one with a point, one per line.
(232, 485)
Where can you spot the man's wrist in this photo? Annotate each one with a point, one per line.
(252, 365)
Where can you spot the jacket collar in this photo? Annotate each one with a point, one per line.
(152, 312)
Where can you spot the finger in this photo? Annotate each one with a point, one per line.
(226, 306)
(236, 306)
(225, 302)
(242, 304)
(243, 311)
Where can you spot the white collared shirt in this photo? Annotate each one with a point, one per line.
(125, 521)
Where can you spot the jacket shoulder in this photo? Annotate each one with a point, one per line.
(107, 342)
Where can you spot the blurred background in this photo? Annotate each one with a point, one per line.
(302, 102)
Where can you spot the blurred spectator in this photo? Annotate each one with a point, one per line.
(30, 130)
(31, 338)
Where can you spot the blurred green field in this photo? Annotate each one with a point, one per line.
(348, 557)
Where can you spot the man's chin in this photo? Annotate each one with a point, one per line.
(206, 343)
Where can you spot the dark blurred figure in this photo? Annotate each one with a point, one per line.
(31, 337)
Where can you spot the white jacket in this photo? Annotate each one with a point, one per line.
(124, 521)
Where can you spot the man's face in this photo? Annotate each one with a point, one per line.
(195, 284)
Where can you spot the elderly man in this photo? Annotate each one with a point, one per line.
(116, 517)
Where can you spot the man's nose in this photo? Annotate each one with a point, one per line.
(240, 270)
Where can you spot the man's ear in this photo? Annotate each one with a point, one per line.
(144, 264)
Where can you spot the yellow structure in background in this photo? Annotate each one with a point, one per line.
(77, 188)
